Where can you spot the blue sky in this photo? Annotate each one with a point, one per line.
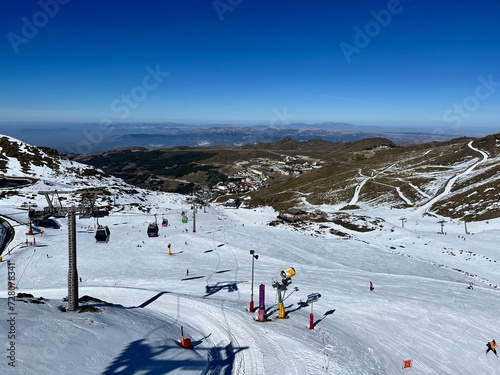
(246, 61)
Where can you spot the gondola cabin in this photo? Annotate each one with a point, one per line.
(102, 234)
(153, 230)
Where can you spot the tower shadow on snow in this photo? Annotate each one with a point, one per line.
(142, 357)
(149, 301)
(223, 271)
(231, 286)
(192, 278)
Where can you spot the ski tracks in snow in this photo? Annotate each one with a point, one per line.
(451, 181)
(440, 196)
(359, 186)
(225, 245)
(241, 355)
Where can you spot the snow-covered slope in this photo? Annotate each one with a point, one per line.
(19, 159)
(47, 171)
(420, 308)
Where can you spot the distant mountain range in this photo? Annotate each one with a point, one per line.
(85, 138)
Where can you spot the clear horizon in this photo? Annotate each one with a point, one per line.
(235, 62)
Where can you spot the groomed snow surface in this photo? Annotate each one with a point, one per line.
(420, 309)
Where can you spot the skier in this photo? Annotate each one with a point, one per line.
(371, 286)
(492, 345)
(187, 272)
(169, 249)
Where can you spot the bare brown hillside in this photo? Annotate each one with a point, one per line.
(284, 174)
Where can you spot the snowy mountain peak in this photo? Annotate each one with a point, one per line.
(19, 159)
(28, 170)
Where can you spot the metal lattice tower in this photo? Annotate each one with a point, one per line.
(72, 271)
(442, 225)
(91, 195)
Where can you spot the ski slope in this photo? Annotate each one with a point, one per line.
(420, 308)
(451, 181)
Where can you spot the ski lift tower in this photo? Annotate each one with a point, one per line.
(442, 221)
(403, 221)
(71, 211)
(72, 270)
(465, 225)
(195, 211)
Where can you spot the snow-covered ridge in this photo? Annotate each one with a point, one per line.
(47, 171)
(19, 159)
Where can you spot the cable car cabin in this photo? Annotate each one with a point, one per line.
(153, 230)
(164, 223)
(102, 234)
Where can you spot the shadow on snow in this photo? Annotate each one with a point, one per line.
(231, 286)
(192, 278)
(329, 312)
(140, 357)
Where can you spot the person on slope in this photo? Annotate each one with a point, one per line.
(371, 286)
(492, 345)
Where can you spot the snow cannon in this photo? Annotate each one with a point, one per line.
(288, 273)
